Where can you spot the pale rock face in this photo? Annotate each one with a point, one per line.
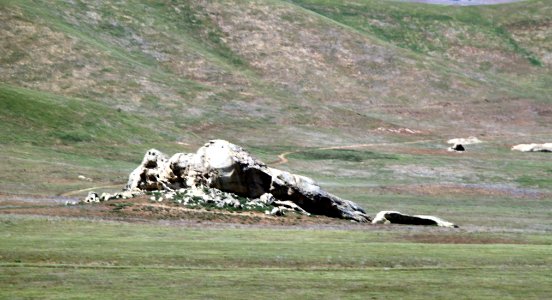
(546, 147)
(229, 168)
(465, 141)
(277, 211)
(395, 217)
(288, 205)
(92, 197)
(267, 199)
(146, 176)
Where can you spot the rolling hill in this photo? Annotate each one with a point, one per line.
(87, 87)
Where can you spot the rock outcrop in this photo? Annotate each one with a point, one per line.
(395, 217)
(223, 175)
(229, 168)
(546, 147)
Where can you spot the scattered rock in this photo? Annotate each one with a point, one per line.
(106, 197)
(288, 205)
(277, 211)
(123, 195)
(546, 147)
(456, 148)
(266, 199)
(463, 141)
(92, 197)
(395, 217)
(82, 177)
(399, 130)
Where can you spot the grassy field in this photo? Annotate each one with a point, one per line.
(51, 258)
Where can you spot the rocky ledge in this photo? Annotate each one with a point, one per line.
(225, 175)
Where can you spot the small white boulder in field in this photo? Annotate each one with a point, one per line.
(546, 147)
(465, 141)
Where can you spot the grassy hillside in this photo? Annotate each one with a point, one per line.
(87, 87)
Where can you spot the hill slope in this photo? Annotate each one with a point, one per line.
(94, 84)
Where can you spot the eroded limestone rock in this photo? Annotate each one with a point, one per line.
(223, 175)
(229, 168)
(395, 217)
(288, 205)
(92, 197)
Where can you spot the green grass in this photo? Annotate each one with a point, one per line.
(422, 28)
(64, 137)
(341, 154)
(57, 258)
(111, 283)
(42, 118)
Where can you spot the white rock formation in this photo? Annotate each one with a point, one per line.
(224, 175)
(546, 147)
(469, 141)
(92, 197)
(267, 199)
(288, 205)
(229, 168)
(395, 217)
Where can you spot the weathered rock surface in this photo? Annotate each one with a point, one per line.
(223, 175)
(395, 217)
(92, 197)
(465, 141)
(546, 147)
(229, 168)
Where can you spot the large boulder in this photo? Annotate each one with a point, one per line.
(227, 167)
(395, 217)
